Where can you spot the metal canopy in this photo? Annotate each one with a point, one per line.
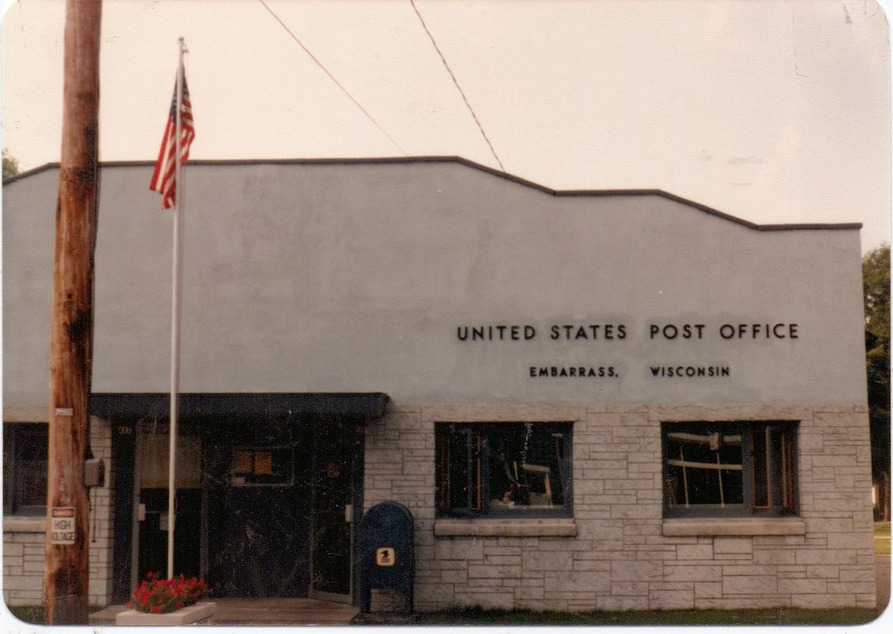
(364, 406)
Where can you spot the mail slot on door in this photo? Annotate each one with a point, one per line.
(387, 560)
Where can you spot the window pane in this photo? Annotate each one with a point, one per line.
(704, 467)
(25, 467)
(782, 453)
(267, 466)
(31, 466)
(789, 499)
(459, 469)
(729, 468)
(525, 462)
(760, 469)
(500, 468)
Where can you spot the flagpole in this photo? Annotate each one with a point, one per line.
(175, 321)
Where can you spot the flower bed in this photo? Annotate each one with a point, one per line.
(175, 601)
(161, 596)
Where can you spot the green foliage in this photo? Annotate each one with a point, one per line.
(876, 286)
(10, 165)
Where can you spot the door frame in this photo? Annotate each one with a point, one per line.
(141, 431)
(355, 454)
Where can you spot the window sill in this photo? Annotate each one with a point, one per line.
(731, 527)
(557, 527)
(24, 524)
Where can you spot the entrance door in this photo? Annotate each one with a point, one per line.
(259, 500)
(153, 459)
(154, 530)
(332, 517)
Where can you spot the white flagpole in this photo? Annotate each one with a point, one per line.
(175, 323)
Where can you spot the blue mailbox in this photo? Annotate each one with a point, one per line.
(387, 559)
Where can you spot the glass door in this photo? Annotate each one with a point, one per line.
(152, 512)
(332, 517)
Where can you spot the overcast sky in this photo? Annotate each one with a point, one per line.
(770, 110)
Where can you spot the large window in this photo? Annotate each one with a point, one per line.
(25, 469)
(503, 469)
(715, 469)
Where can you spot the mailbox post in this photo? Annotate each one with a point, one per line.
(387, 559)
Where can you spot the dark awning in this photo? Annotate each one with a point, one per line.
(364, 406)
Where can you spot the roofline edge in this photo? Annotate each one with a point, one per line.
(483, 168)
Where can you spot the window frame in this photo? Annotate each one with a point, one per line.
(14, 436)
(478, 472)
(781, 496)
(240, 478)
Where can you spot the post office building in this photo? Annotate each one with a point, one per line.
(586, 400)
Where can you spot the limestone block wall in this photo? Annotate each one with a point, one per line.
(618, 553)
(101, 517)
(23, 560)
(24, 539)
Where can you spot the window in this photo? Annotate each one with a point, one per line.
(713, 469)
(25, 469)
(266, 466)
(503, 469)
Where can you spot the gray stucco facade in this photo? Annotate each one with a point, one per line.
(620, 321)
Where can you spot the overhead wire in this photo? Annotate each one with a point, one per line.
(331, 76)
(456, 83)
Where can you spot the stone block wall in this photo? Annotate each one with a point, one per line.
(24, 539)
(23, 561)
(618, 553)
(102, 501)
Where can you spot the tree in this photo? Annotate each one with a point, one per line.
(876, 287)
(10, 165)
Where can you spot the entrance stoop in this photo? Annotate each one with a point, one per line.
(272, 611)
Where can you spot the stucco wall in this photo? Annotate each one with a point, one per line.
(359, 276)
(624, 555)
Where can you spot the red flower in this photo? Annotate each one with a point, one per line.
(159, 596)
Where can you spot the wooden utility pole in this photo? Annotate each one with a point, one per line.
(71, 349)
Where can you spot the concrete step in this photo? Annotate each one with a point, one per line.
(264, 611)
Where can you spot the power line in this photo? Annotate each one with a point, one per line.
(456, 82)
(331, 76)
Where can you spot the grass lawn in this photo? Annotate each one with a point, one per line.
(775, 616)
(479, 616)
(28, 613)
(882, 538)
(36, 613)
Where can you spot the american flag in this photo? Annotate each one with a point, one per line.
(164, 179)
